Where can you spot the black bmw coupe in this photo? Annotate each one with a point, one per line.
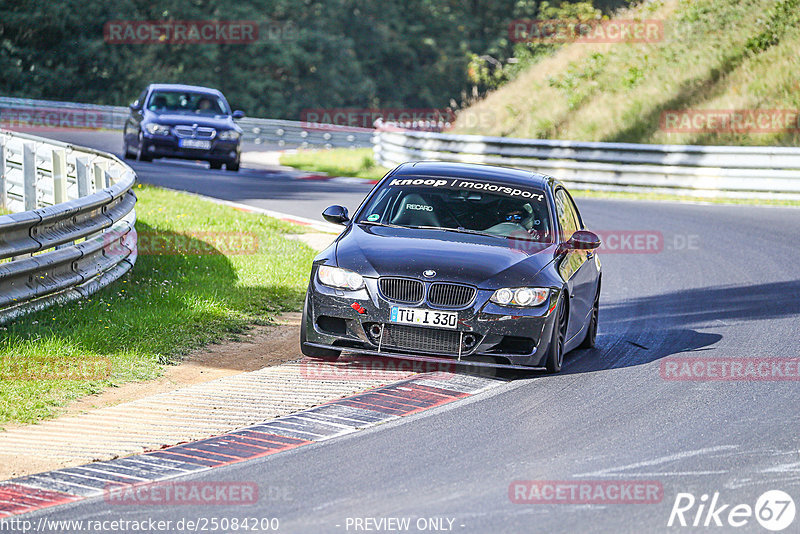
(448, 262)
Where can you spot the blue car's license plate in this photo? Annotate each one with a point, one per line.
(422, 317)
(194, 143)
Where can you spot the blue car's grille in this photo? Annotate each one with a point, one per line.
(195, 133)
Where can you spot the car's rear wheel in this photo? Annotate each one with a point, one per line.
(591, 331)
(329, 355)
(215, 164)
(555, 352)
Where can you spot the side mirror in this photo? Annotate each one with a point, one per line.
(336, 215)
(238, 114)
(581, 240)
(135, 106)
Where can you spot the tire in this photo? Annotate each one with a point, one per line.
(232, 166)
(140, 152)
(555, 352)
(591, 332)
(126, 152)
(215, 164)
(328, 355)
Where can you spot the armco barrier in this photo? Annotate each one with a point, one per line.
(64, 206)
(707, 171)
(45, 114)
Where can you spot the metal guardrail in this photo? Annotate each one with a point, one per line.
(68, 228)
(289, 134)
(706, 171)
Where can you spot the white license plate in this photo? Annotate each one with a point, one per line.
(421, 317)
(194, 143)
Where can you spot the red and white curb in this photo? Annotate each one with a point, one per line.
(344, 416)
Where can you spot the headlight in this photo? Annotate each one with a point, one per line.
(157, 129)
(341, 278)
(229, 135)
(521, 296)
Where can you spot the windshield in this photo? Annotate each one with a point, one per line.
(187, 102)
(463, 205)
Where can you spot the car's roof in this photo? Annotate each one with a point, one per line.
(182, 87)
(473, 171)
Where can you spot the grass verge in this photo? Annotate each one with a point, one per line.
(199, 279)
(357, 162)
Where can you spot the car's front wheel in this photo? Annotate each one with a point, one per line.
(555, 352)
(232, 166)
(141, 152)
(329, 355)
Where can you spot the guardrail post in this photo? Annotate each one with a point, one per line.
(3, 186)
(29, 176)
(100, 178)
(59, 176)
(82, 173)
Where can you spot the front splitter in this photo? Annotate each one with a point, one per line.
(430, 359)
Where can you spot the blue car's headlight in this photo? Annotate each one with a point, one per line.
(520, 296)
(340, 278)
(229, 135)
(157, 129)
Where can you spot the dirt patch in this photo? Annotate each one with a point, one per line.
(261, 347)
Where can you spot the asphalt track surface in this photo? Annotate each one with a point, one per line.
(725, 283)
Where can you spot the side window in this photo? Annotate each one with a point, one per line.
(573, 209)
(565, 215)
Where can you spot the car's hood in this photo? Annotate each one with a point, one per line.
(484, 261)
(172, 119)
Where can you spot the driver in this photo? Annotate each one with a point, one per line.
(514, 216)
(204, 104)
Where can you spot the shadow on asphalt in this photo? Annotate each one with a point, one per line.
(646, 329)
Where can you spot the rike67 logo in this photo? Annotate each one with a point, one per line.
(774, 510)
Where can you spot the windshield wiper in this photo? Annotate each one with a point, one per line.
(461, 230)
(387, 225)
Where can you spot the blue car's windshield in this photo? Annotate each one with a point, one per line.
(457, 204)
(187, 102)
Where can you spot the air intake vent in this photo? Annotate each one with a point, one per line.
(421, 339)
(402, 290)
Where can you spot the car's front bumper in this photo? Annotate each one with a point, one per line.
(161, 146)
(508, 337)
